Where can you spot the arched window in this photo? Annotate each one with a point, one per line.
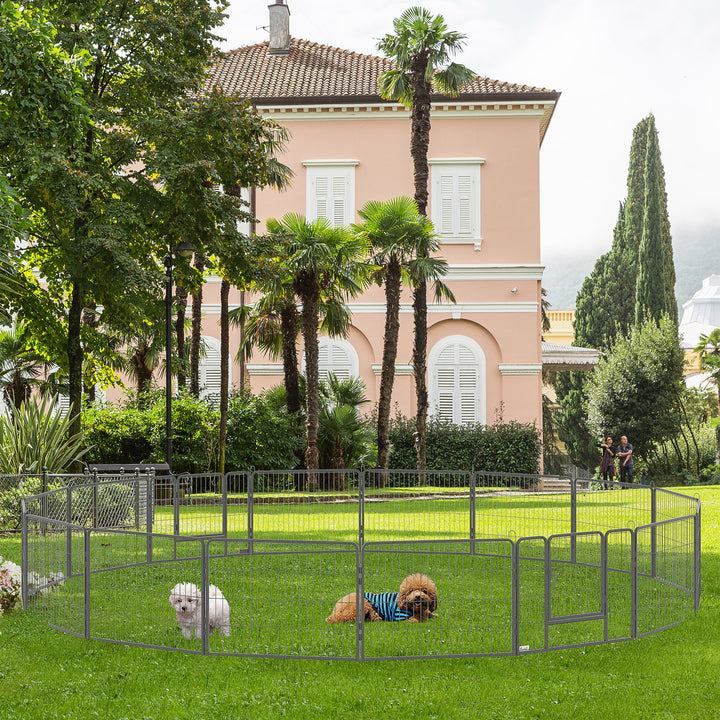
(336, 356)
(457, 380)
(210, 369)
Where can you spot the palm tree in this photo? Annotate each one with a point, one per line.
(318, 258)
(708, 350)
(421, 48)
(401, 241)
(21, 367)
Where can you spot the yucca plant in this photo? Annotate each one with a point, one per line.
(37, 435)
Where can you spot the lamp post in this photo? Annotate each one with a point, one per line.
(183, 249)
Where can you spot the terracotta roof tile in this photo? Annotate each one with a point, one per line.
(323, 73)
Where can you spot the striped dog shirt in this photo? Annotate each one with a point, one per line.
(385, 605)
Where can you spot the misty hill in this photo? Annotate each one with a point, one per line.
(696, 252)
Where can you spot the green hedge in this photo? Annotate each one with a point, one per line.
(502, 447)
(259, 434)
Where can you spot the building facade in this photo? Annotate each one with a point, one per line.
(348, 146)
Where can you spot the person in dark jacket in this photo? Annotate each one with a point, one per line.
(607, 463)
(625, 455)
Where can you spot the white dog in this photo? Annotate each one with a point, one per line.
(186, 600)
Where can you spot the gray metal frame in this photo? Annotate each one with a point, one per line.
(519, 568)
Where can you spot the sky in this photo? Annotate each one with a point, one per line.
(614, 61)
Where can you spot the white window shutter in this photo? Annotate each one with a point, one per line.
(210, 370)
(455, 201)
(457, 377)
(330, 191)
(334, 359)
(464, 204)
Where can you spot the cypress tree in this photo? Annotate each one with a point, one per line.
(637, 276)
(627, 254)
(650, 300)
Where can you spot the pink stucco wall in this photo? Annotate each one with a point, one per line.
(505, 324)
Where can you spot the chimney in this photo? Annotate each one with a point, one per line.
(279, 28)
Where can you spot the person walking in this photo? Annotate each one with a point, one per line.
(607, 463)
(625, 453)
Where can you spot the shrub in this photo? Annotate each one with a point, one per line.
(194, 433)
(36, 436)
(261, 435)
(134, 432)
(118, 434)
(10, 501)
(502, 447)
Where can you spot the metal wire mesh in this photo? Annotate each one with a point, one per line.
(520, 564)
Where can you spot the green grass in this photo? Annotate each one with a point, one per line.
(48, 674)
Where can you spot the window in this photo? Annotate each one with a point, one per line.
(331, 190)
(455, 199)
(457, 381)
(210, 369)
(337, 357)
(244, 227)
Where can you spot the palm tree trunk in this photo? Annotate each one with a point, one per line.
(310, 319)
(289, 332)
(419, 143)
(196, 332)
(181, 294)
(420, 373)
(387, 377)
(224, 370)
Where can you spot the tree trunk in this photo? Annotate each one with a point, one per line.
(75, 361)
(143, 374)
(420, 373)
(289, 332)
(224, 371)
(419, 142)
(387, 377)
(196, 332)
(310, 319)
(89, 319)
(181, 295)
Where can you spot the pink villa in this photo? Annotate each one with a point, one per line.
(348, 146)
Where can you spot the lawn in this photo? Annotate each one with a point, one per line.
(48, 674)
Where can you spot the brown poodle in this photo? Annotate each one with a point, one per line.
(416, 601)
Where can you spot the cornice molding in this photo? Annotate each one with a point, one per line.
(450, 308)
(494, 272)
(264, 368)
(400, 369)
(384, 111)
(520, 368)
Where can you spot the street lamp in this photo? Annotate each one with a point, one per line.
(183, 249)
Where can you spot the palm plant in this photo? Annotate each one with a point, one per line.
(21, 367)
(421, 47)
(344, 438)
(708, 351)
(318, 258)
(401, 241)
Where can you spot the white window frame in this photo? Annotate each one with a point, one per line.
(329, 343)
(338, 177)
(455, 199)
(480, 393)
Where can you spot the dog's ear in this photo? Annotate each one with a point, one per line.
(432, 592)
(403, 593)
